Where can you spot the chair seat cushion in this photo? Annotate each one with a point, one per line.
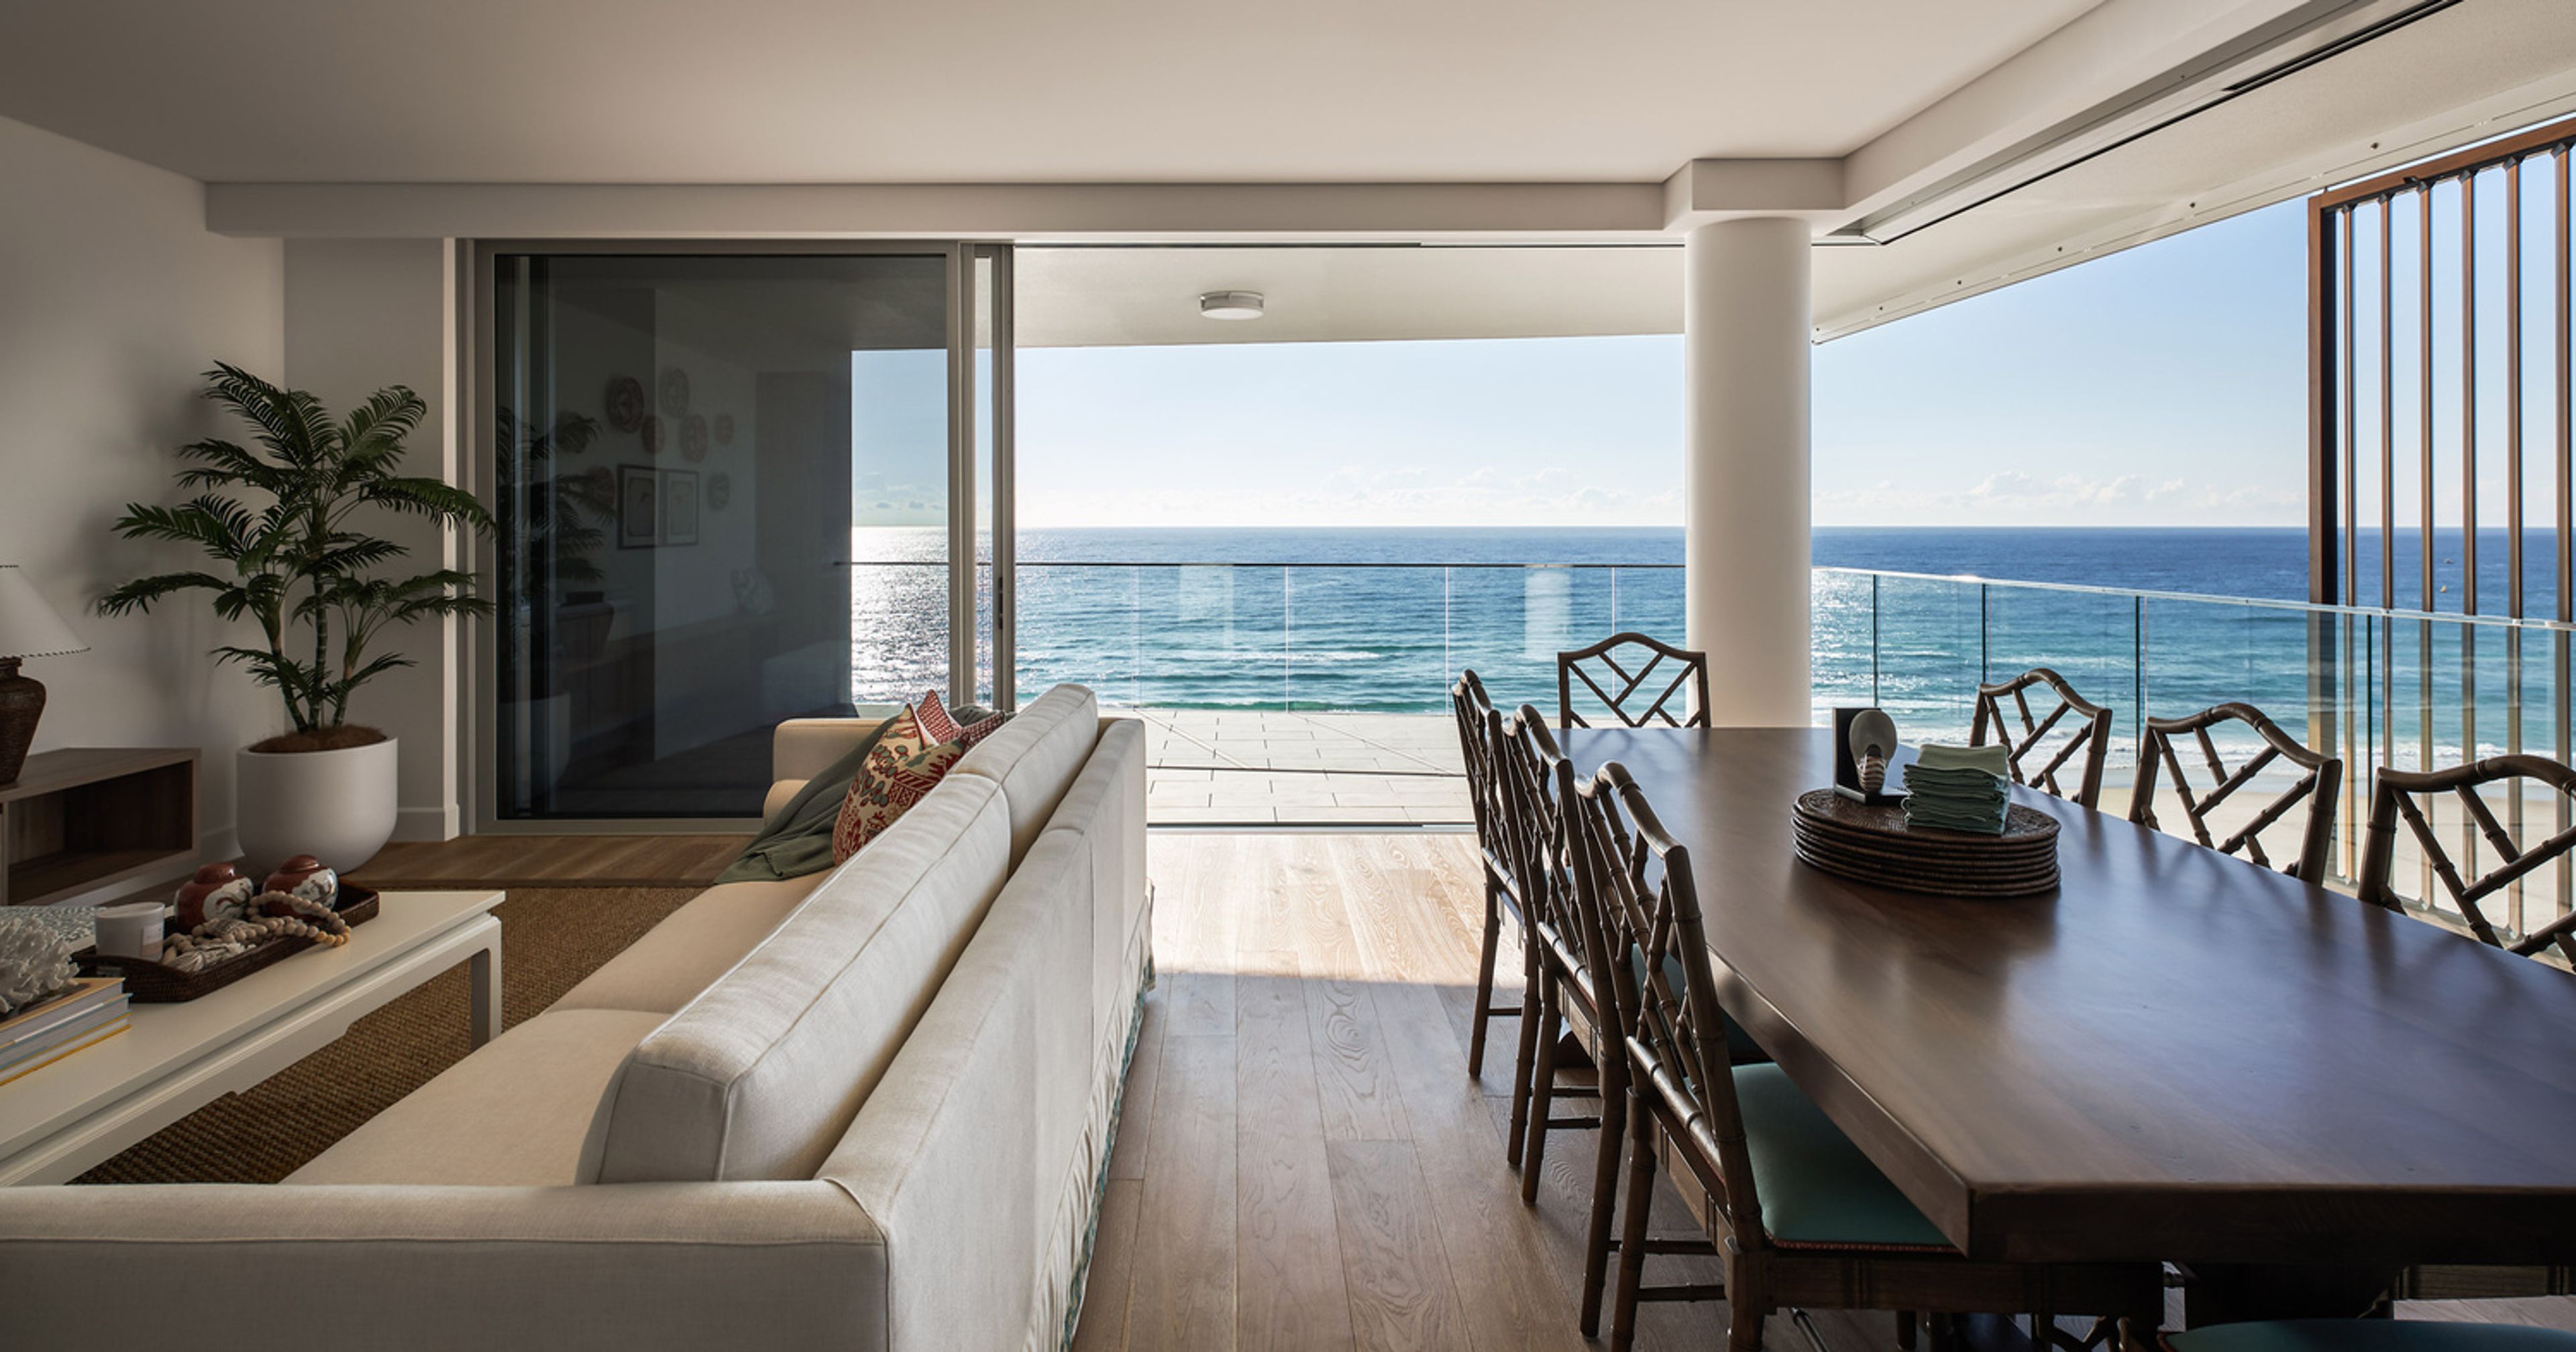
(2370, 1335)
(1817, 1187)
(691, 947)
(518, 1113)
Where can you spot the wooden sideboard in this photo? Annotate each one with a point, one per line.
(89, 817)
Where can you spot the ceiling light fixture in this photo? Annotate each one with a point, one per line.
(1231, 305)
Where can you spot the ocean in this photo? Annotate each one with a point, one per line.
(1382, 620)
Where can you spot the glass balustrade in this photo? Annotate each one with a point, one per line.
(1302, 690)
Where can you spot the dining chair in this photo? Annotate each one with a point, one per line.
(1629, 663)
(2369, 1335)
(2091, 735)
(1800, 1215)
(2409, 795)
(2316, 788)
(1534, 781)
(1478, 725)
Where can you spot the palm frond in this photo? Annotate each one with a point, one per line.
(137, 596)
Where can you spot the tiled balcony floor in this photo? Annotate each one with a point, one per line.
(1239, 767)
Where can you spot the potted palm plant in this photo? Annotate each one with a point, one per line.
(284, 527)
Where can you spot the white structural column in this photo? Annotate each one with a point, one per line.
(1746, 350)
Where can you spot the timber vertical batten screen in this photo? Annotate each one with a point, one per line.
(2468, 391)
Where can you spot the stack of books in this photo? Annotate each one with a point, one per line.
(92, 1011)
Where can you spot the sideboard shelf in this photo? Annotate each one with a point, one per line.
(91, 817)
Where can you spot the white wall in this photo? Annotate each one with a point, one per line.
(361, 315)
(113, 298)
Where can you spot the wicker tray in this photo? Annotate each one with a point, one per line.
(1874, 845)
(150, 983)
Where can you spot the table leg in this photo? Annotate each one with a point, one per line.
(483, 976)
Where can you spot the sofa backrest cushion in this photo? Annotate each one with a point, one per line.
(1035, 757)
(759, 1075)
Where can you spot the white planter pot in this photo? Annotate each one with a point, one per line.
(337, 806)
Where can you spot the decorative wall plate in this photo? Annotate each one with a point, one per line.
(724, 429)
(693, 438)
(652, 433)
(719, 491)
(675, 391)
(624, 403)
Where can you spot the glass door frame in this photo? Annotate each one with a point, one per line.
(475, 346)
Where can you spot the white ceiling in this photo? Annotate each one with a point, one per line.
(1001, 91)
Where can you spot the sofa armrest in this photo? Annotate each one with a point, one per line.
(779, 793)
(804, 747)
(276, 1268)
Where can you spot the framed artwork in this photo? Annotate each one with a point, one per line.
(639, 506)
(679, 506)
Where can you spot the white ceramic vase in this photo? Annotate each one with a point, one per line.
(337, 806)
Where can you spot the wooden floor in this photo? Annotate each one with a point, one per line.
(1302, 1161)
(552, 861)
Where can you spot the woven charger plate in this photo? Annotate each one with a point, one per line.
(1874, 845)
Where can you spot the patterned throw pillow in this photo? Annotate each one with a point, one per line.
(942, 727)
(903, 768)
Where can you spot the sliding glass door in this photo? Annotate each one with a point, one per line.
(733, 489)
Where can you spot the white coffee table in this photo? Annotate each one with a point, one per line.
(58, 1121)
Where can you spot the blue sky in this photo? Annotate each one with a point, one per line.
(2159, 386)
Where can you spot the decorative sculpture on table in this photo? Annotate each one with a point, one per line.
(214, 892)
(1864, 743)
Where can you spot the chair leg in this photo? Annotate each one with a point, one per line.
(1605, 1200)
(1523, 1064)
(2043, 1329)
(1485, 979)
(1551, 1020)
(1905, 1330)
(1748, 1305)
(1632, 1233)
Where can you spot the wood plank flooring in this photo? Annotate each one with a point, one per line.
(1303, 1161)
(552, 861)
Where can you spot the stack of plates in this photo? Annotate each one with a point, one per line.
(1874, 845)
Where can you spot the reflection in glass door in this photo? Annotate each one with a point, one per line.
(730, 490)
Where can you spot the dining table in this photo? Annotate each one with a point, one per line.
(2174, 1055)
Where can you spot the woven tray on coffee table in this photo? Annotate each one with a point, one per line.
(1874, 845)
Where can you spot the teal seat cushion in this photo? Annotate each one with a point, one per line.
(1815, 1185)
(2370, 1335)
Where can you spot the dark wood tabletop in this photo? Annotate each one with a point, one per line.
(2176, 1055)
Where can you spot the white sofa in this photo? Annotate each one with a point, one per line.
(867, 1109)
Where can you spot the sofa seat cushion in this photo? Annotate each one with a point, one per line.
(691, 947)
(517, 1113)
(1035, 757)
(759, 1075)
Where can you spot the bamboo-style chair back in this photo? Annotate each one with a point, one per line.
(1623, 670)
(1473, 711)
(2409, 795)
(1536, 784)
(1652, 948)
(2316, 789)
(2086, 741)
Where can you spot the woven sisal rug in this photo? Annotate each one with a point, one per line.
(551, 938)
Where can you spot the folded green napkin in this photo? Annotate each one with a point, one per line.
(1990, 759)
(1950, 788)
